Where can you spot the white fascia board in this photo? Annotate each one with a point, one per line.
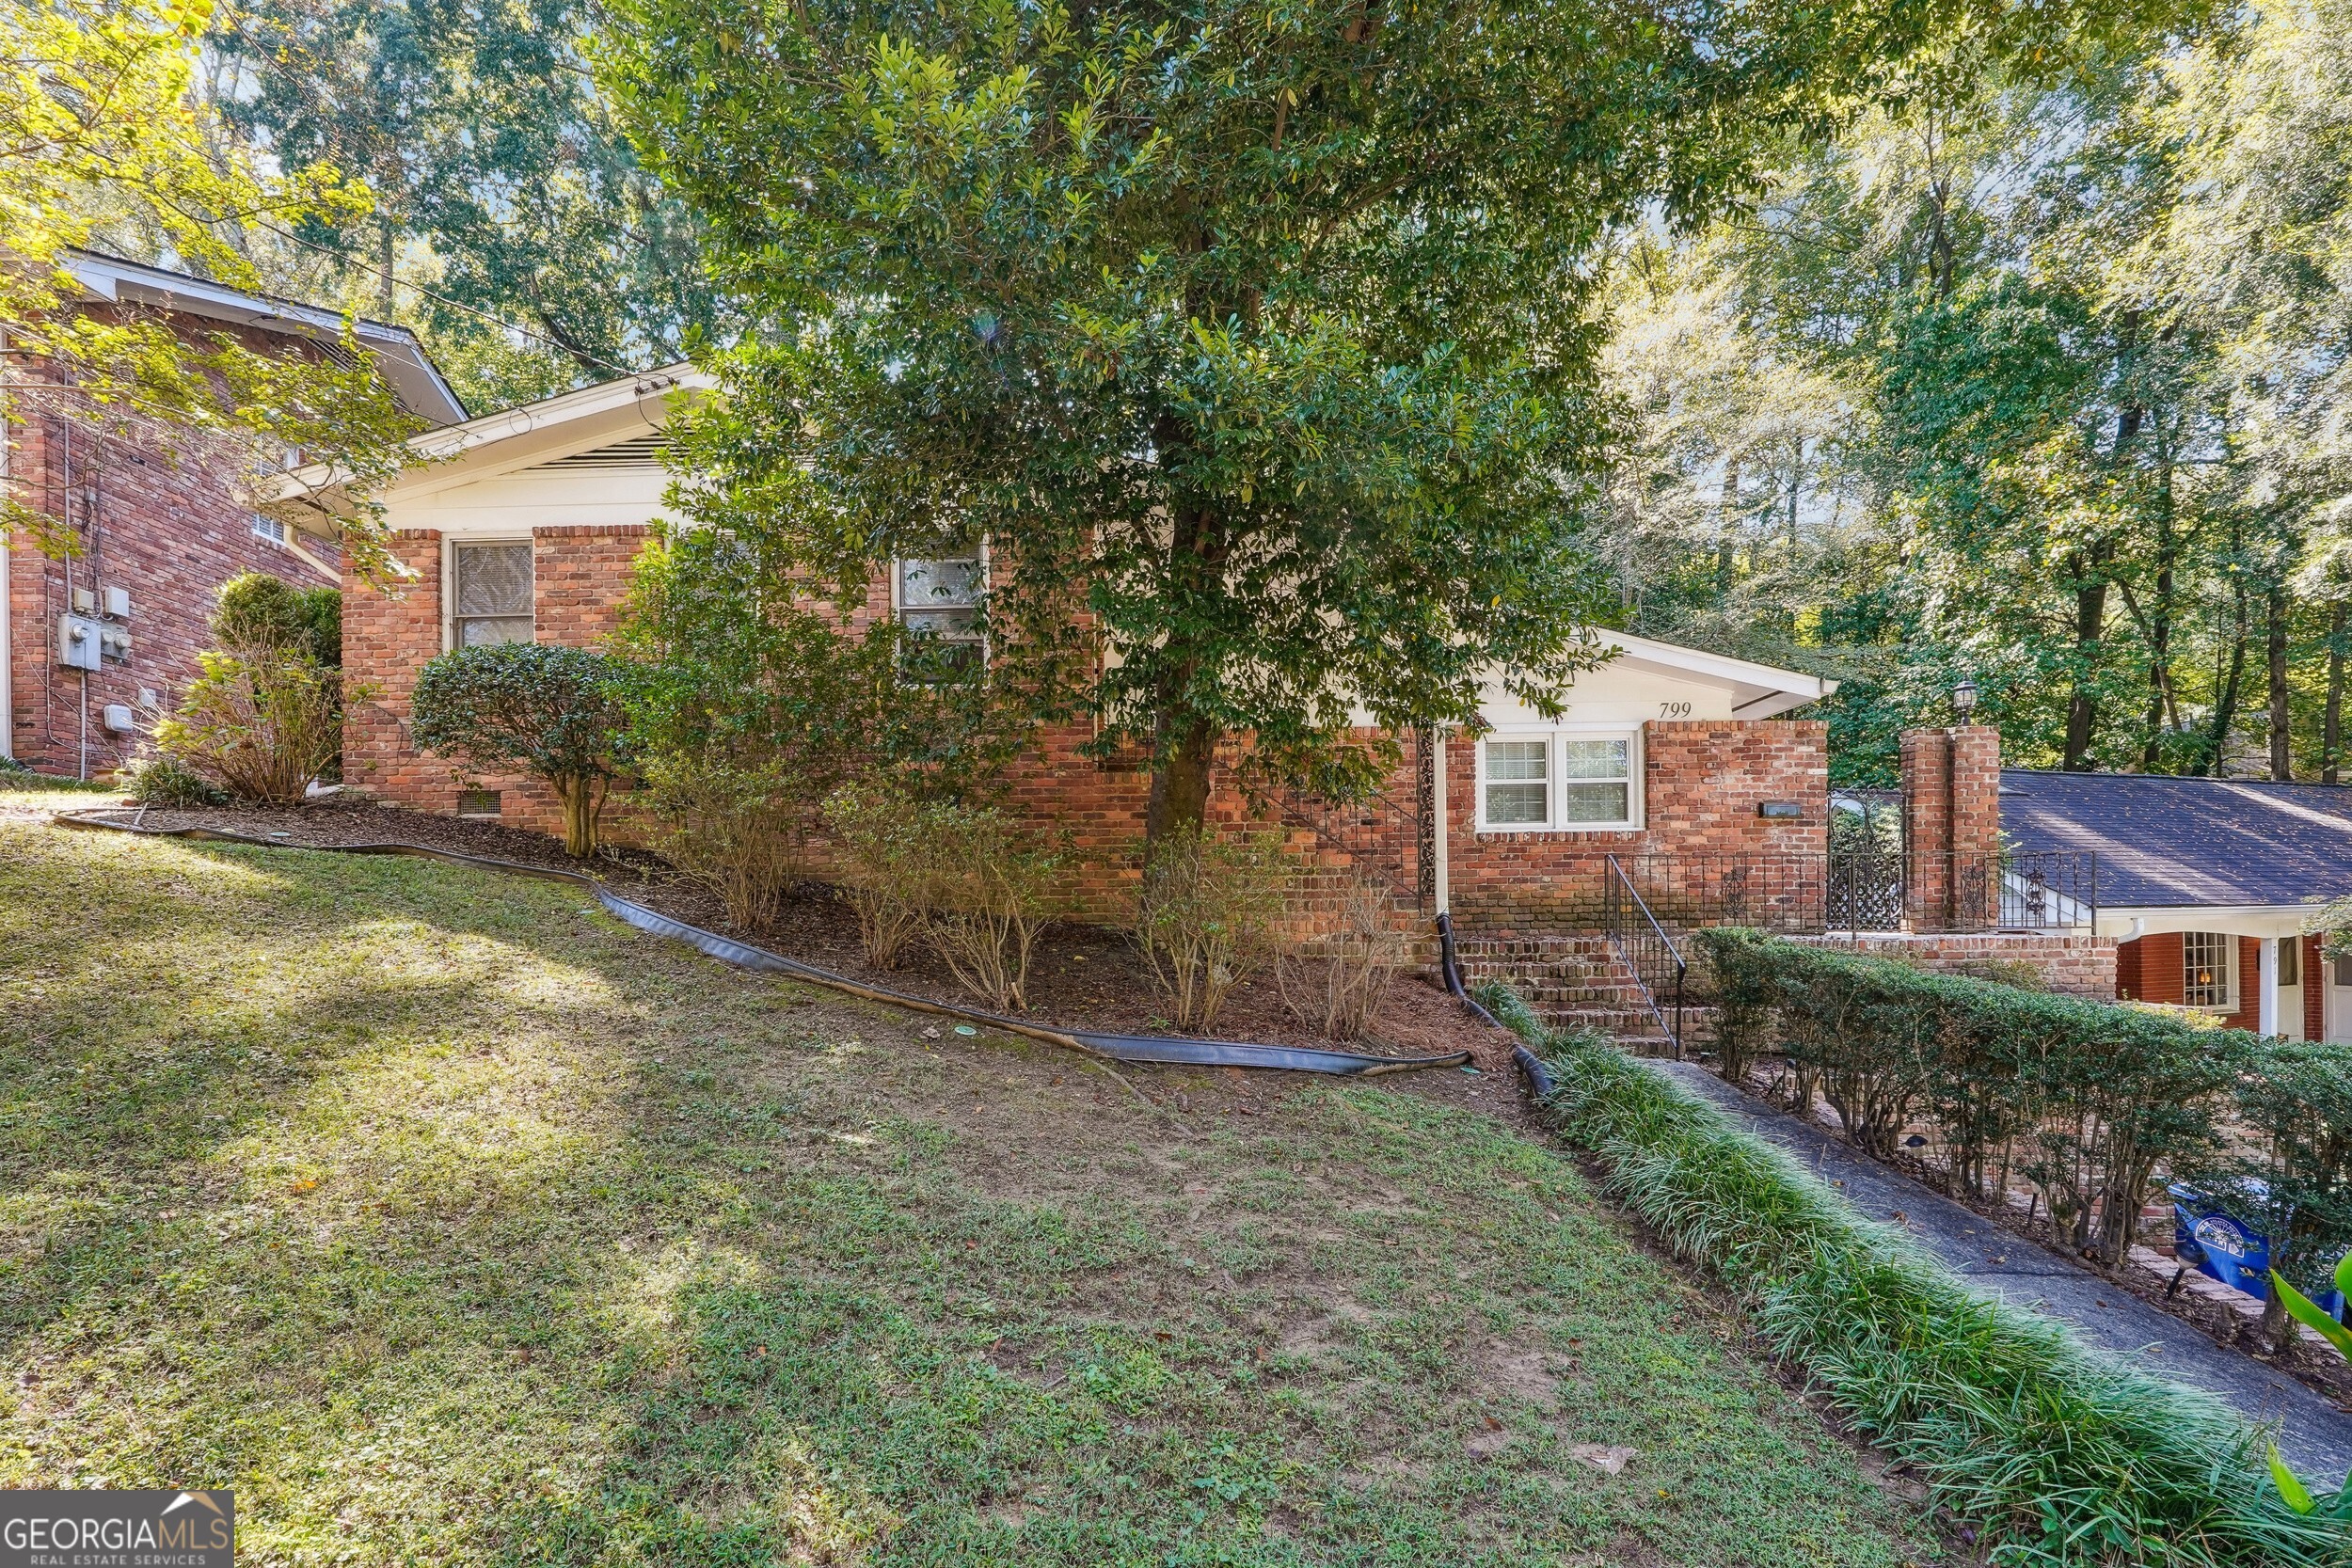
(401, 358)
(2125, 923)
(578, 421)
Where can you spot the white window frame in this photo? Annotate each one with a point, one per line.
(270, 531)
(1556, 780)
(2229, 966)
(449, 582)
(898, 606)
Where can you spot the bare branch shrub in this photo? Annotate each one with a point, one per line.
(1336, 981)
(887, 869)
(741, 831)
(991, 893)
(1207, 916)
(262, 722)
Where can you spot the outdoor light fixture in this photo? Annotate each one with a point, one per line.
(1964, 697)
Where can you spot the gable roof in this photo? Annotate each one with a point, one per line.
(2165, 842)
(1758, 690)
(400, 357)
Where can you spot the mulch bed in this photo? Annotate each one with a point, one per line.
(1080, 977)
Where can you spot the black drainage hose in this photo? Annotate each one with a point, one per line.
(1448, 962)
(1121, 1048)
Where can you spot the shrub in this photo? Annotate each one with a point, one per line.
(163, 781)
(2066, 1456)
(550, 712)
(887, 870)
(256, 611)
(738, 831)
(2084, 1098)
(262, 723)
(2296, 1182)
(1205, 916)
(1359, 957)
(989, 896)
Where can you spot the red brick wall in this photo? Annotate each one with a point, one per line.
(1705, 782)
(169, 526)
(579, 575)
(2148, 969)
(2073, 966)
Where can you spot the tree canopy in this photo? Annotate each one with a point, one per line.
(1261, 344)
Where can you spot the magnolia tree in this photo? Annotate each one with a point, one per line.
(1253, 341)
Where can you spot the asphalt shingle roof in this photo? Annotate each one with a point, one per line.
(2166, 842)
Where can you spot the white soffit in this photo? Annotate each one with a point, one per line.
(1759, 691)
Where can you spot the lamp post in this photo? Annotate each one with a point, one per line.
(1964, 697)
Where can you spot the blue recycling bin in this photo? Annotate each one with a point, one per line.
(2214, 1242)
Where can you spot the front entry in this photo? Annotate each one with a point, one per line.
(2339, 972)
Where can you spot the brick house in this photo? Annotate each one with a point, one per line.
(2210, 888)
(163, 520)
(525, 524)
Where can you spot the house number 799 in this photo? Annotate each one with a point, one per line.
(1674, 710)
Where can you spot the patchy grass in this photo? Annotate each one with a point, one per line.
(448, 1221)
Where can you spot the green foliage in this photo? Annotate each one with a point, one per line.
(993, 886)
(740, 831)
(2066, 1457)
(1263, 339)
(101, 129)
(262, 723)
(2084, 1098)
(165, 781)
(554, 713)
(502, 184)
(2294, 1098)
(257, 611)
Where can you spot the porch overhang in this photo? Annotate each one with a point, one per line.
(2128, 924)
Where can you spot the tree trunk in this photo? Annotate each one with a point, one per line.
(2082, 709)
(2275, 651)
(583, 803)
(2331, 720)
(2225, 708)
(1181, 781)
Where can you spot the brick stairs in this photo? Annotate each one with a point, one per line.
(1570, 981)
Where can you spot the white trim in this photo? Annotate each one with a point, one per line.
(2245, 920)
(2233, 990)
(1555, 779)
(2266, 986)
(1773, 691)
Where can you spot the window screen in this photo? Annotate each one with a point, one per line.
(1518, 787)
(491, 598)
(1596, 781)
(2208, 969)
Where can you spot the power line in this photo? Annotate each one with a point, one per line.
(400, 282)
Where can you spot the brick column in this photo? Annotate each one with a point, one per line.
(389, 631)
(1951, 782)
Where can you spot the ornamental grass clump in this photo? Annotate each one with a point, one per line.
(2061, 1455)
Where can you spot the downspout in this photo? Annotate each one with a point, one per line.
(1449, 963)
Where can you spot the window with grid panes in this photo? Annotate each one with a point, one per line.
(2209, 970)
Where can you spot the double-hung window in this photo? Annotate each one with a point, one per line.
(1559, 779)
(938, 602)
(2209, 970)
(490, 595)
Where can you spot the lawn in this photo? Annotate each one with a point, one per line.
(449, 1221)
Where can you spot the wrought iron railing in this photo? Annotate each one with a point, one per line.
(1874, 889)
(1641, 944)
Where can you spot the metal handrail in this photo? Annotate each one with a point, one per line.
(1623, 936)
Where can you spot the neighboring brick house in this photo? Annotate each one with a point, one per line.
(162, 521)
(526, 524)
(2211, 888)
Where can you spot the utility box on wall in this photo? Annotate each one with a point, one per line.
(79, 643)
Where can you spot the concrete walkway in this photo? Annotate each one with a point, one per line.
(2314, 1436)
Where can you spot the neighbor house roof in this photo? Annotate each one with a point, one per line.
(2166, 842)
(401, 358)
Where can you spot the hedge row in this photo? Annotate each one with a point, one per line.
(2086, 1099)
(2060, 1455)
